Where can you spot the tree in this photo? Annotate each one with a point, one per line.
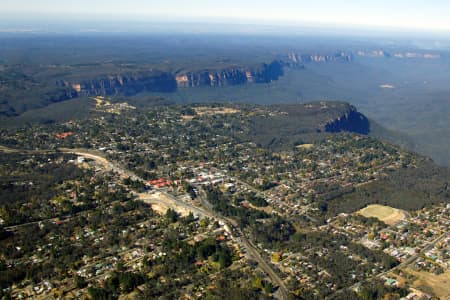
(152, 165)
(323, 206)
(80, 282)
(129, 281)
(171, 215)
(113, 283)
(98, 294)
(188, 219)
(224, 258)
(268, 287)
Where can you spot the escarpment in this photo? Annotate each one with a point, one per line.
(131, 83)
(263, 73)
(124, 84)
(289, 124)
(351, 120)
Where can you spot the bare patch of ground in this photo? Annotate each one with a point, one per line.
(387, 214)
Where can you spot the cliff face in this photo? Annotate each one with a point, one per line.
(401, 55)
(288, 124)
(262, 74)
(231, 76)
(297, 58)
(59, 95)
(351, 120)
(212, 78)
(124, 84)
(166, 82)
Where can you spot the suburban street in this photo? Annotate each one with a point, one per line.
(165, 199)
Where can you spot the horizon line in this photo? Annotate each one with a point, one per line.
(11, 20)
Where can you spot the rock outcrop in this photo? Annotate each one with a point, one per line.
(294, 59)
(351, 120)
(231, 76)
(288, 124)
(124, 84)
(401, 55)
(167, 82)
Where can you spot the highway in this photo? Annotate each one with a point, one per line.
(169, 200)
(251, 249)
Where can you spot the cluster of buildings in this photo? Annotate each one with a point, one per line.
(421, 243)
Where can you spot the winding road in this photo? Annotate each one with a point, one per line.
(171, 201)
(168, 200)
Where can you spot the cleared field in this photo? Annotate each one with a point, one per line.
(187, 118)
(161, 203)
(438, 284)
(387, 214)
(305, 146)
(215, 110)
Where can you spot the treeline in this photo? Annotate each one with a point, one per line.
(118, 283)
(406, 188)
(272, 233)
(24, 177)
(341, 262)
(34, 188)
(180, 263)
(64, 254)
(221, 204)
(235, 284)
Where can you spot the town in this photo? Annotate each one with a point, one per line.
(172, 200)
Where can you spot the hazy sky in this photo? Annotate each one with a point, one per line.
(414, 14)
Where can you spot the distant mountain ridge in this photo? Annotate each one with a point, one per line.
(131, 83)
(263, 73)
(123, 84)
(64, 82)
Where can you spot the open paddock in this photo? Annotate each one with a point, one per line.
(387, 214)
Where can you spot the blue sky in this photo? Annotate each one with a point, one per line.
(410, 14)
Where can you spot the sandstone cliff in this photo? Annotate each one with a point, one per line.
(231, 76)
(124, 84)
(159, 81)
(289, 124)
(300, 58)
(350, 120)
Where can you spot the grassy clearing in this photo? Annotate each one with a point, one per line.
(215, 110)
(438, 284)
(387, 214)
(305, 146)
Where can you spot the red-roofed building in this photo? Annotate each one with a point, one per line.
(159, 183)
(63, 135)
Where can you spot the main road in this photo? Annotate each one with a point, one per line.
(169, 200)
